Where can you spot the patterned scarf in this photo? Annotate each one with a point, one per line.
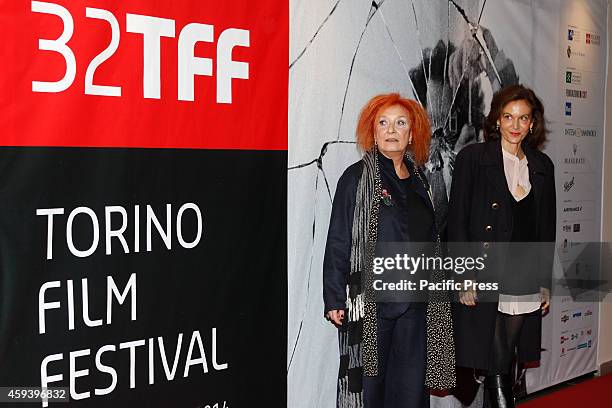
(358, 342)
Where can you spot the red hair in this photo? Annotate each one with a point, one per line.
(417, 116)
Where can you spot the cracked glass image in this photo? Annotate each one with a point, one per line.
(454, 79)
(342, 53)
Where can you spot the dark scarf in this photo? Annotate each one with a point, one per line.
(358, 342)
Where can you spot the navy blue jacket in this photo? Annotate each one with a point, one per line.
(410, 218)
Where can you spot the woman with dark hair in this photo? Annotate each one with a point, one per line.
(387, 356)
(503, 190)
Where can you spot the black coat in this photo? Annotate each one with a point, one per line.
(480, 211)
(393, 226)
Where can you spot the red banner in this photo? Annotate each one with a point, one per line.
(181, 74)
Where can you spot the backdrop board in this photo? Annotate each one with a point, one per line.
(450, 55)
(571, 331)
(143, 201)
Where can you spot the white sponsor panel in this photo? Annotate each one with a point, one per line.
(570, 329)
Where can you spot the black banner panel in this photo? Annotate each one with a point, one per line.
(144, 277)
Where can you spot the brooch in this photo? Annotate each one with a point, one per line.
(386, 198)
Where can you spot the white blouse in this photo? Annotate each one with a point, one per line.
(517, 174)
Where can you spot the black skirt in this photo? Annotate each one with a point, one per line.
(474, 329)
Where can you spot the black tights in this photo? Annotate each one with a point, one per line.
(507, 332)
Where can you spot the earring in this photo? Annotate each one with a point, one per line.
(410, 140)
(531, 129)
(497, 126)
(375, 143)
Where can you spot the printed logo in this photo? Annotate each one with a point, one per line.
(573, 77)
(593, 39)
(574, 159)
(567, 185)
(574, 316)
(577, 208)
(568, 109)
(588, 313)
(564, 339)
(576, 227)
(580, 132)
(564, 318)
(570, 34)
(575, 93)
(567, 228)
(570, 52)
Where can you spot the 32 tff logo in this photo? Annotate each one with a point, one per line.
(152, 30)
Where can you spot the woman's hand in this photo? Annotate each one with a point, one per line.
(545, 298)
(335, 316)
(468, 297)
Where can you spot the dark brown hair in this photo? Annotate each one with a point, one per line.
(513, 93)
(417, 116)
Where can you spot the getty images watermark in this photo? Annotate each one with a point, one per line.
(406, 264)
(407, 272)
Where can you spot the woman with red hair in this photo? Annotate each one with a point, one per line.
(387, 356)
